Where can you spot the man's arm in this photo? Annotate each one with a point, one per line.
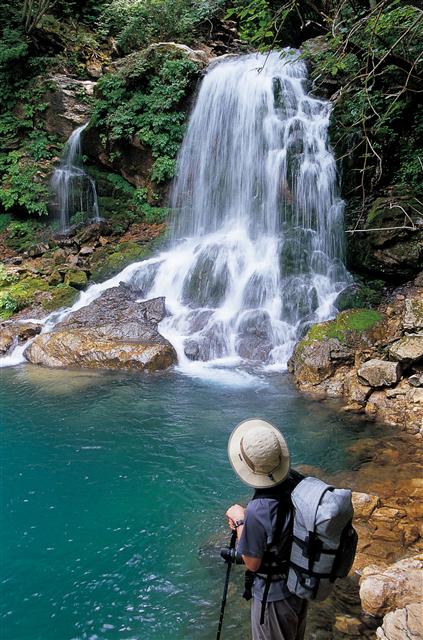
(235, 514)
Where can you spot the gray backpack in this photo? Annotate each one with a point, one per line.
(324, 540)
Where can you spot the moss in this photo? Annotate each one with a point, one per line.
(76, 278)
(355, 320)
(61, 296)
(111, 260)
(19, 295)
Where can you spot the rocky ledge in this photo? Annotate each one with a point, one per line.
(113, 332)
(373, 359)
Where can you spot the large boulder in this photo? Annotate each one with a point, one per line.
(384, 589)
(407, 350)
(403, 624)
(379, 373)
(115, 332)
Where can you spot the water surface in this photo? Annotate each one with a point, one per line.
(114, 489)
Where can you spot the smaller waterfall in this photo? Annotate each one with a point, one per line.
(74, 189)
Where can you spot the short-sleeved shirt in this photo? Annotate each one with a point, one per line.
(258, 532)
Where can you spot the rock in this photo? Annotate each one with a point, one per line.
(16, 332)
(191, 349)
(403, 624)
(37, 250)
(390, 250)
(313, 362)
(415, 395)
(76, 278)
(354, 390)
(94, 231)
(413, 316)
(348, 626)
(416, 380)
(66, 109)
(94, 68)
(386, 589)
(364, 504)
(114, 332)
(55, 278)
(407, 350)
(379, 373)
(86, 250)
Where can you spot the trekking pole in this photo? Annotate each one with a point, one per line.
(229, 562)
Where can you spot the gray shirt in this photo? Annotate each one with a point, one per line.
(259, 527)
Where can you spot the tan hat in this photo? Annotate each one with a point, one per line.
(258, 453)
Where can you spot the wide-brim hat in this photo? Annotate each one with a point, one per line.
(258, 453)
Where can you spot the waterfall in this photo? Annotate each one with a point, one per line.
(257, 234)
(74, 189)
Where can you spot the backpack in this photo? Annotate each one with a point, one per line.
(323, 543)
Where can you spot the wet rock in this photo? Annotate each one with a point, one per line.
(113, 332)
(192, 350)
(16, 333)
(66, 109)
(384, 589)
(403, 624)
(379, 373)
(407, 350)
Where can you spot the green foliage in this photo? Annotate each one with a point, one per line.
(256, 21)
(145, 98)
(138, 23)
(5, 220)
(150, 213)
(21, 234)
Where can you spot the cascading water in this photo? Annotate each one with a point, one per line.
(256, 248)
(74, 189)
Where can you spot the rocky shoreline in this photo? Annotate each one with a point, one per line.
(372, 359)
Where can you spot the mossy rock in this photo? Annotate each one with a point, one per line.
(76, 278)
(19, 295)
(112, 259)
(61, 296)
(354, 321)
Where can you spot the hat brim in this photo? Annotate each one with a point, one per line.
(241, 468)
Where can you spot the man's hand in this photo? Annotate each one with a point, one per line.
(234, 513)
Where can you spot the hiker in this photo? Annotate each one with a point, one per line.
(259, 456)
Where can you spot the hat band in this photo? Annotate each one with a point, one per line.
(251, 464)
